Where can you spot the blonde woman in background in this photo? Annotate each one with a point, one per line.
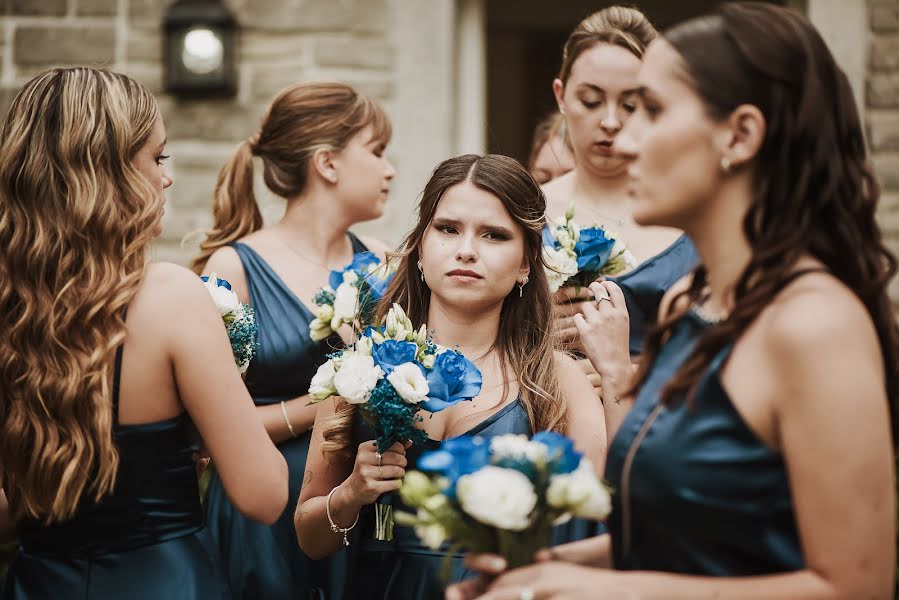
(550, 155)
(98, 408)
(322, 149)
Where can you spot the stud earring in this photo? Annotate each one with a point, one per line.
(725, 165)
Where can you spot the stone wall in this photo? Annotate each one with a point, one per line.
(882, 113)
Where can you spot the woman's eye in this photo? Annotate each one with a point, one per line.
(591, 104)
(629, 107)
(161, 158)
(495, 235)
(445, 228)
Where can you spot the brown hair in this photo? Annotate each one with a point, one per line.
(617, 25)
(301, 119)
(550, 126)
(525, 340)
(814, 190)
(76, 219)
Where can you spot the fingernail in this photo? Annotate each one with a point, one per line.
(498, 564)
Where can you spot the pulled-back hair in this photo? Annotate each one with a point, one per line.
(813, 190)
(76, 219)
(524, 341)
(617, 25)
(301, 119)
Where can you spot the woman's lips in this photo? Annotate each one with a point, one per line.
(464, 275)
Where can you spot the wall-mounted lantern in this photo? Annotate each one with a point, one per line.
(200, 49)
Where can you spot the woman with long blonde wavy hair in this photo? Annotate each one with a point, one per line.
(471, 268)
(99, 408)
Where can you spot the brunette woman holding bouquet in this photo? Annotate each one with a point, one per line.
(109, 366)
(757, 460)
(470, 269)
(322, 149)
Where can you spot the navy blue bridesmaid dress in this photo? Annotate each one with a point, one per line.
(404, 568)
(145, 541)
(644, 286)
(263, 561)
(697, 492)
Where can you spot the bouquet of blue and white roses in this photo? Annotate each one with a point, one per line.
(576, 256)
(391, 373)
(240, 323)
(351, 295)
(502, 495)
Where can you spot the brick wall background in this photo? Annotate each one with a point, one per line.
(358, 41)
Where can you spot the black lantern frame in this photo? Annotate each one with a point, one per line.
(200, 49)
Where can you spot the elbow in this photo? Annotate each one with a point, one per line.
(266, 499)
(306, 538)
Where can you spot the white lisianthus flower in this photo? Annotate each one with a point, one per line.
(409, 382)
(427, 361)
(350, 277)
(345, 302)
(431, 534)
(580, 493)
(325, 312)
(225, 300)
(320, 330)
(364, 345)
(503, 498)
(563, 236)
(560, 265)
(357, 377)
(517, 446)
(322, 384)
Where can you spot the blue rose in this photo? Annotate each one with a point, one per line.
(593, 249)
(390, 354)
(377, 285)
(454, 378)
(563, 458)
(456, 457)
(360, 265)
(548, 238)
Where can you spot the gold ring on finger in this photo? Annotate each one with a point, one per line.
(378, 458)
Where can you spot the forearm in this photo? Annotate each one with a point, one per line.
(799, 585)
(616, 382)
(300, 414)
(313, 527)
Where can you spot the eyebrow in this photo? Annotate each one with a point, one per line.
(597, 88)
(456, 223)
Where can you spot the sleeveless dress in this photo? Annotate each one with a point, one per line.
(263, 561)
(145, 541)
(404, 568)
(697, 492)
(644, 286)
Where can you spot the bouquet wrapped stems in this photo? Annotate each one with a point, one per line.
(384, 520)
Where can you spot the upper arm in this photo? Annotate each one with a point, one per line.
(833, 422)
(375, 245)
(324, 471)
(585, 415)
(213, 393)
(226, 264)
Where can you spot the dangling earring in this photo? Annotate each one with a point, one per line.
(421, 270)
(521, 287)
(725, 165)
(562, 110)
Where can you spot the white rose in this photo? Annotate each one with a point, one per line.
(503, 498)
(580, 493)
(345, 300)
(322, 384)
(560, 265)
(225, 299)
(409, 382)
(357, 377)
(517, 446)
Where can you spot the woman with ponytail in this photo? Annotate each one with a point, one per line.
(757, 459)
(321, 147)
(99, 409)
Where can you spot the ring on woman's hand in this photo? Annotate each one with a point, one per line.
(527, 594)
(378, 458)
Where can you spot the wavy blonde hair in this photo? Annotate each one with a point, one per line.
(76, 219)
(301, 119)
(525, 342)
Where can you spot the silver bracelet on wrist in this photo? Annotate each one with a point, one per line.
(293, 434)
(334, 526)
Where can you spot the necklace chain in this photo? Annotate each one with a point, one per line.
(617, 221)
(303, 255)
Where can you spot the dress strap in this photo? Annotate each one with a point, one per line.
(116, 379)
(356, 243)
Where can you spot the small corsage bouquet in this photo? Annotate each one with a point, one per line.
(502, 495)
(391, 373)
(240, 323)
(576, 256)
(351, 295)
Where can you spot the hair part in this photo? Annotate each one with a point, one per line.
(814, 190)
(525, 342)
(76, 219)
(301, 119)
(620, 26)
